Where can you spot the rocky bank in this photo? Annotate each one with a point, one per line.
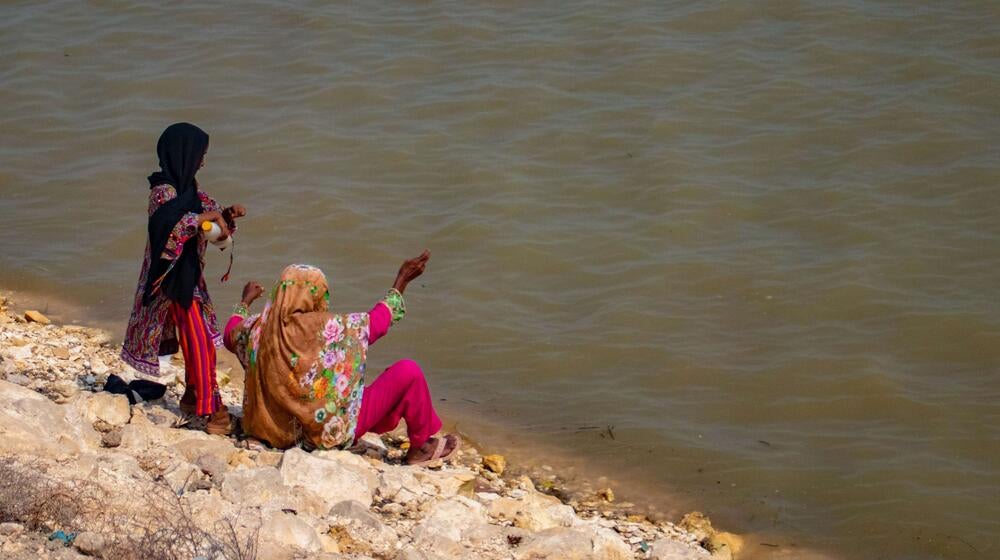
(125, 481)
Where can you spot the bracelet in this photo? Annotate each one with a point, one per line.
(397, 305)
(242, 310)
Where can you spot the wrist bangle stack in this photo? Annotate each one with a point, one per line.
(241, 310)
(397, 305)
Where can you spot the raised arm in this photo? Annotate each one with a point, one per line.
(236, 322)
(391, 309)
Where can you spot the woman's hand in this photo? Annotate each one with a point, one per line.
(410, 269)
(251, 292)
(216, 217)
(235, 211)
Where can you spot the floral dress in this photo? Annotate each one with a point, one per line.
(305, 367)
(151, 332)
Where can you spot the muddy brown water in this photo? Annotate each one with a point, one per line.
(758, 240)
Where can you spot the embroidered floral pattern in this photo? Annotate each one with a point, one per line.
(325, 371)
(396, 304)
(336, 378)
(150, 330)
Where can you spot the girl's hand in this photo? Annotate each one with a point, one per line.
(235, 211)
(251, 292)
(216, 217)
(411, 269)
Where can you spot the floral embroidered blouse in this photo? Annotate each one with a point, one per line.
(150, 332)
(334, 382)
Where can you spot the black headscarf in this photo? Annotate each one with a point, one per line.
(181, 148)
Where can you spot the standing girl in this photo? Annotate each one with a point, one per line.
(172, 307)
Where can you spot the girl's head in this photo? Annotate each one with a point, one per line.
(181, 150)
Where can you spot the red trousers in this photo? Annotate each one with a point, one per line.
(400, 392)
(199, 357)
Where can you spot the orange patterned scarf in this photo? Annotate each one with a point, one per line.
(305, 365)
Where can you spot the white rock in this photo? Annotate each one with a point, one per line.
(593, 543)
(111, 408)
(444, 483)
(533, 511)
(363, 526)
(33, 425)
(446, 550)
(450, 520)
(212, 465)
(669, 549)
(182, 477)
(22, 353)
(398, 484)
(91, 544)
(332, 478)
(285, 536)
(207, 509)
(264, 488)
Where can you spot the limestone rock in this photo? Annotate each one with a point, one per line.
(199, 444)
(581, 543)
(331, 477)
(242, 457)
(157, 414)
(450, 520)
(363, 526)
(263, 487)
(669, 549)
(208, 508)
(182, 477)
(212, 465)
(285, 536)
(698, 524)
(65, 390)
(399, 484)
(33, 316)
(444, 483)
(449, 552)
(495, 463)
(269, 458)
(533, 511)
(91, 544)
(725, 545)
(31, 424)
(111, 408)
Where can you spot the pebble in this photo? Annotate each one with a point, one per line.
(495, 463)
(33, 316)
(607, 495)
(112, 439)
(91, 544)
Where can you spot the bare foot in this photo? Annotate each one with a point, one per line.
(424, 452)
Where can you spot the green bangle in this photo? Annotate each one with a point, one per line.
(241, 310)
(394, 299)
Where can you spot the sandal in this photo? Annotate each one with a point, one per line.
(438, 450)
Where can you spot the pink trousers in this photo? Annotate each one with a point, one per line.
(400, 392)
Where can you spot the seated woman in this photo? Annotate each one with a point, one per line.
(305, 369)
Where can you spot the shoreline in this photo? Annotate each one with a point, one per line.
(68, 363)
(584, 489)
